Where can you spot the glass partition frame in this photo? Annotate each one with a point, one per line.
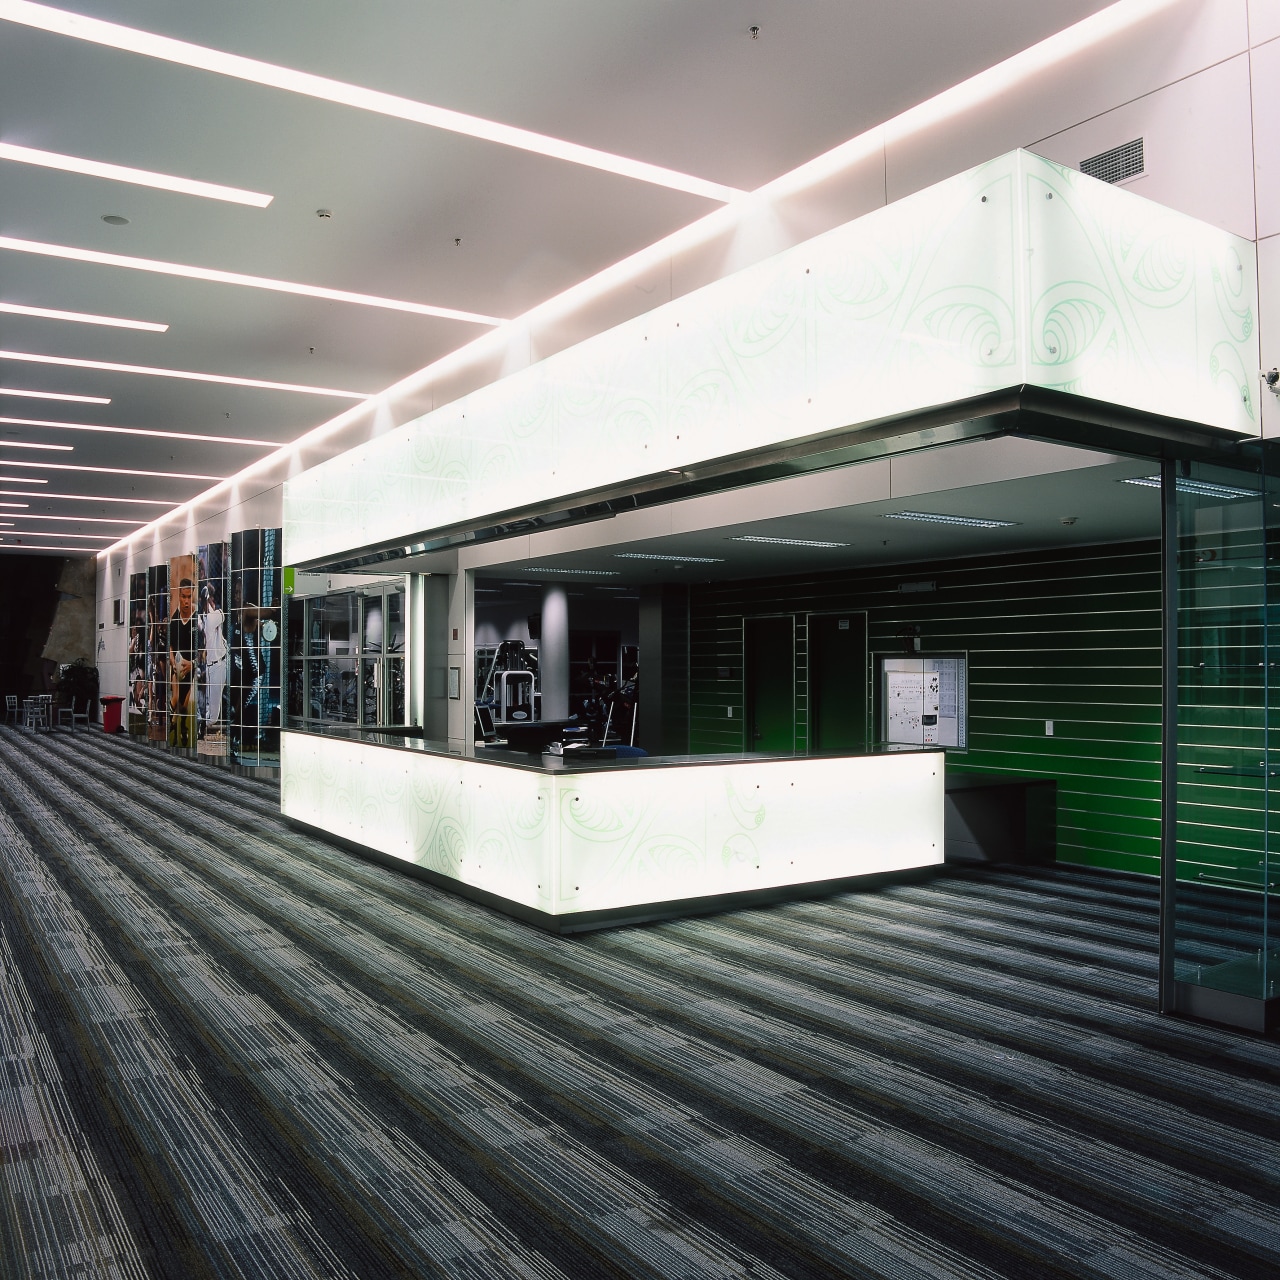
(1220, 958)
(353, 659)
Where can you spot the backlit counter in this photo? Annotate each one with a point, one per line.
(573, 846)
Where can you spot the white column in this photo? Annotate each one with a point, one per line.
(553, 654)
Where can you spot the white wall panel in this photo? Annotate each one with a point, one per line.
(1266, 127)
(1197, 143)
(1264, 20)
(1178, 42)
(1269, 325)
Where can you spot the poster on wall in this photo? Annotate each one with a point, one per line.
(136, 718)
(157, 709)
(254, 648)
(211, 697)
(181, 639)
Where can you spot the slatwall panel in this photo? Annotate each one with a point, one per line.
(675, 668)
(1068, 636)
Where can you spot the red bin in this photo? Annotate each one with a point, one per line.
(111, 712)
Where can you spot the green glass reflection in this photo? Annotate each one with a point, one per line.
(1227, 763)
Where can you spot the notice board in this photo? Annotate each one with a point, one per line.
(924, 700)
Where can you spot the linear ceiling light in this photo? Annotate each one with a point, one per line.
(19, 505)
(593, 573)
(140, 431)
(31, 515)
(50, 533)
(75, 497)
(223, 378)
(188, 272)
(788, 542)
(139, 177)
(106, 471)
(22, 444)
(9, 543)
(967, 522)
(54, 395)
(1197, 488)
(641, 555)
(81, 317)
(21, 479)
(265, 73)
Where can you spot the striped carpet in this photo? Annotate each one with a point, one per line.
(230, 1050)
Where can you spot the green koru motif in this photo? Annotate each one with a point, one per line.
(596, 819)
(739, 851)
(974, 323)
(747, 812)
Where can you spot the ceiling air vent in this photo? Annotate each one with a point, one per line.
(1120, 164)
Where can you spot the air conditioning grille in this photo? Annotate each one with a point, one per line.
(1117, 165)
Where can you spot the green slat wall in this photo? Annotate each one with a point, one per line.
(1068, 636)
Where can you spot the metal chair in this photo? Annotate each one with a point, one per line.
(70, 716)
(36, 713)
(11, 707)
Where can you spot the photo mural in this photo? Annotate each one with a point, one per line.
(254, 647)
(205, 650)
(211, 680)
(136, 716)
(157, 710)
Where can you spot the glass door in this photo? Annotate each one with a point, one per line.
(1219, 958)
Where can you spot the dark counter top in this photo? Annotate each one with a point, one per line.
(535, 762)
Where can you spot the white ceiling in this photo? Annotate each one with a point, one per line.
(679, 83)
(1048, 496)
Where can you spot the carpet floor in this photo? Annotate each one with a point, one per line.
(228, 1049)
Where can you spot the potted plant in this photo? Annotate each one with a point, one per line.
(78, 680)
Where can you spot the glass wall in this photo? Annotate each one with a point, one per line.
(351, 664)
(1222, 917)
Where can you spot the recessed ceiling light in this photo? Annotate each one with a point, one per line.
(54, 395)
(115, 220)
(788, 542)
(78, 497)
(138, 177)
(20, 505)
(641, 555)
(1197, 488)
(106, 471)
(140, 431)
(594, 573)
(967, 522)
(20, 479)
(222, 378)
(151, 45)
(81, 317)
(72, 254)
(22, 444)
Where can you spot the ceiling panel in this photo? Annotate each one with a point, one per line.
(416, 213)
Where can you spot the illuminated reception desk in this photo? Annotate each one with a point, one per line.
(572, 847)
